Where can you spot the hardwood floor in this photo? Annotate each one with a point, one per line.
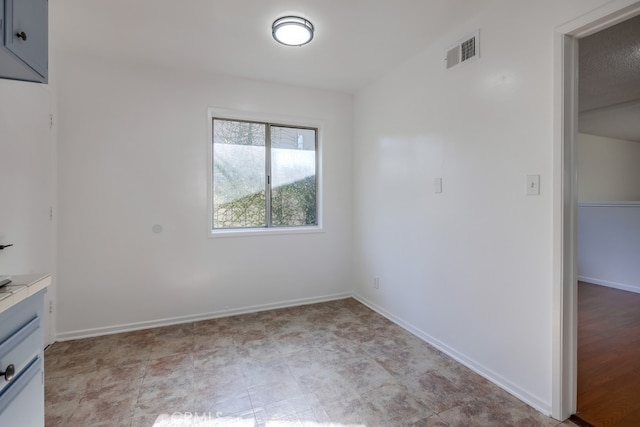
(608, 356)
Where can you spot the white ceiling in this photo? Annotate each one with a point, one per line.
(356, 41)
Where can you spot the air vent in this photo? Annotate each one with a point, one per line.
(468, 49)
(465, 50)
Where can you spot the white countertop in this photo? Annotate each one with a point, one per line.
(22, 287)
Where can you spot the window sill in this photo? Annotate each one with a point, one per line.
(250, 232)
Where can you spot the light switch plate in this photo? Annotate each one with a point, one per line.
(533, 185)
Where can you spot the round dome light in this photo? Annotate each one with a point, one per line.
(292, 31)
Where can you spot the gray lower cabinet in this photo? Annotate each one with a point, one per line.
(24, 52)
(21, 364)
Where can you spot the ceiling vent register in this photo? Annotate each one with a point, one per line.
(464, 51)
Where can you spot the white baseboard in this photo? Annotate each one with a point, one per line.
(608, 284)
(485, 372)
(94, 332)
(531, 400)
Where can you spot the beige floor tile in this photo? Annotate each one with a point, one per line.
(114, 408)
(57, 414)
(68, 388)
(436, 391)
(398, 404)
(332, 364)
(173, 366)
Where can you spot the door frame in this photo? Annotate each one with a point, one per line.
(565, 197)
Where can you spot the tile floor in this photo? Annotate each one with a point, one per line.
(330, 364)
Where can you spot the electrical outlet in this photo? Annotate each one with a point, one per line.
(50, 307)
(376, 283)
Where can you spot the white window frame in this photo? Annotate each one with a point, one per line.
(227, 114)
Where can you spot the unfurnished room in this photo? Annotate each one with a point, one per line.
(352, 213)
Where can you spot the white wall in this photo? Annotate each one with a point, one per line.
(469, 269)
(133, 153)
(608, 233)
(608, 169)
(609, 244)
(27, 149)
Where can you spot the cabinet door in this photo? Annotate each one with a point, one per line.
(20, 349)
(23, 403)
(26, 32)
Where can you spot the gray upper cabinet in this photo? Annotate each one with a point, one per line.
(24, 53)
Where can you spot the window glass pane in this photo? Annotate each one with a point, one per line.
(293, 176)
(238, 174)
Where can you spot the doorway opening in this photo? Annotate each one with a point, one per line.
(567, 39)
(608, 230)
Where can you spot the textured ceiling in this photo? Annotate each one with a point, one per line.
(610, 66)
(609, 82)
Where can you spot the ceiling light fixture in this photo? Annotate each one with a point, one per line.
(292, 30)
